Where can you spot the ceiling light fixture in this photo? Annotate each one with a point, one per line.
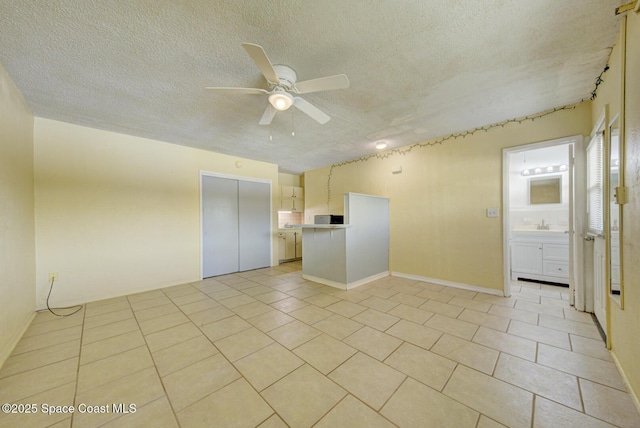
(544, 170)
(381, 145)
(281, 100)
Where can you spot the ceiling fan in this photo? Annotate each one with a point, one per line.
(283, 87)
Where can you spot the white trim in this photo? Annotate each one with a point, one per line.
(600, 123)
(506, 220)
(204, 173)
(10, 346)
(580, 214)
(453, 284)
(346, 286)
(623, 375)
(367, 195)
(234, 177)
(95, 298)
(544, 144)
(576, 140)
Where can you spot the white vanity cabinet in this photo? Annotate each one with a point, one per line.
(542, 256)
(526, 258)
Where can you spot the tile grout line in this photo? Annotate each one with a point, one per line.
(155, 366)
(304, 363)
(457, 364)
(75, 390)
(229, 362)
(533, 410)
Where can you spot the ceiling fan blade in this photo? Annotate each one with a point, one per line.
(268, 115)
(311, 110)
(252, 91)
(259, 56)
(339, 81)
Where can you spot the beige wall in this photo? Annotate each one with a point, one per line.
(117, 214)
(289, 180)
(17, 241)
(624, 324)
(439, 227)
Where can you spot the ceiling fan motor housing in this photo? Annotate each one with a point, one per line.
(283, 91)
(286, 75)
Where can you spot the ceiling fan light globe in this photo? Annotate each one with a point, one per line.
(281, 100)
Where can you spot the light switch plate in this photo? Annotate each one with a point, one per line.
(493, 212)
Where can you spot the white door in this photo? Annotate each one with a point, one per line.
(298, 236)
(518, 211)
(574, 251)
(219, 226)
(595, 223)
(236, 225)
(254, 225)
(599, 282)
(282, 242)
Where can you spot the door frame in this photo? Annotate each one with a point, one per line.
(576, 217)
(204, 173)
(600, 127)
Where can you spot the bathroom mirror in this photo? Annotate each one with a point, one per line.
(545, 190)
(615, 221)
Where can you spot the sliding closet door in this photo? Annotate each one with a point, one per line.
(254, 202)
(219, 226)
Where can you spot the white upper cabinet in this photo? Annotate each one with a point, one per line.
(293, 205)
(287, 192)
(291, 198)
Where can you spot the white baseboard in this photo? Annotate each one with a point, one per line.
(632, 392)
(446, 283)
(10, 346)
(42, 304)
(345, 286)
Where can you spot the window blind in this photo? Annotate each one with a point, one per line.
(595, 180)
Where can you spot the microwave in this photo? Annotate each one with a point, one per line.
(329, 219)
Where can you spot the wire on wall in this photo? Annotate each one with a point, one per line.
(599, 80)
(407, 149)
(76, 307)
(463, 134)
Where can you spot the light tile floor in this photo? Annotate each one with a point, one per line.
(267, 348)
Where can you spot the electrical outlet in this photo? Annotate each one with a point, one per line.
(53, 276)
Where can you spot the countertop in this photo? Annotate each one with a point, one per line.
(292, 228)
(324, 226)
(540, 232)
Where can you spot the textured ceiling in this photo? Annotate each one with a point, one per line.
(418, 69)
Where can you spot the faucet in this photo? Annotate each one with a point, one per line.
(542, 226)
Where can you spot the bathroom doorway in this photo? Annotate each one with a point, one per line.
(540, 219)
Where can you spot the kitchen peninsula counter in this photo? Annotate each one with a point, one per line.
(325, 226)
(348, 255)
